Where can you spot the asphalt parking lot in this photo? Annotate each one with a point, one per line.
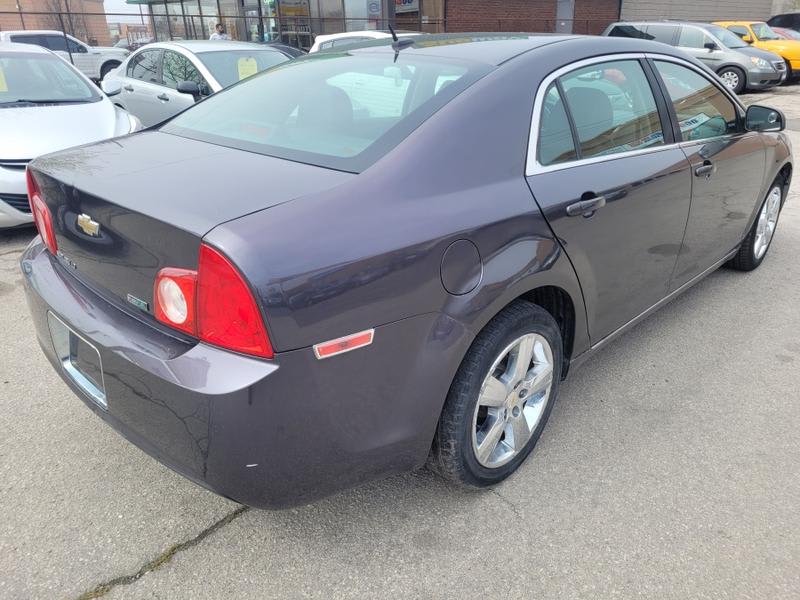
(669, 469)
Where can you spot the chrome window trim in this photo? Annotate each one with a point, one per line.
(532, 164)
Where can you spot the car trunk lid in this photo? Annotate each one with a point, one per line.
(126, 208)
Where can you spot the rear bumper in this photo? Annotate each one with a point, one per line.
(268, 434)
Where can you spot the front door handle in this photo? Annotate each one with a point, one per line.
(128, 88)
(163, 97)
(586, 207)
(706, 170)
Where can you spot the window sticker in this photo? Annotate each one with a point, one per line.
(3, 84)
(248, 66)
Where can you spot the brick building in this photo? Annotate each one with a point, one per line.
(44, 14)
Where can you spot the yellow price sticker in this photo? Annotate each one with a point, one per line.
(3, 84)
(247, 67)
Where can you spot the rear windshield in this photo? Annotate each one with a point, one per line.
(342, 111)
(230, 66)
(36, 77)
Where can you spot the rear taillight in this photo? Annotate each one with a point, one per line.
(41, 214)
(213, 303)
(174, 296)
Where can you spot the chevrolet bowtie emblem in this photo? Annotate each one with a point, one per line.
(88, 226)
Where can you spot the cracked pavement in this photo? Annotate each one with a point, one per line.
(669, 469)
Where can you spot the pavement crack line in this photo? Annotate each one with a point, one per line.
(163, 558)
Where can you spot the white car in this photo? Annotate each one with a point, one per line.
(337, 40)
(92, 61)
(46, 105)
(160, 80)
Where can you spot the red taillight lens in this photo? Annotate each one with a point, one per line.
(174, 296)
(213, 303)
(41, 214)
(227, 313)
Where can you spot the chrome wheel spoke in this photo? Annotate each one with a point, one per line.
(520, 432)
(522, 360)
(488, 444)
(541, 380)
(493, 393)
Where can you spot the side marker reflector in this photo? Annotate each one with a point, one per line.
(344, 344)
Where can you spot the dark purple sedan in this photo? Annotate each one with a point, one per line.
(362, 261)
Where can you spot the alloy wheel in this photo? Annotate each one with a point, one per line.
(512, 400)
(730, 79)
(767, 221)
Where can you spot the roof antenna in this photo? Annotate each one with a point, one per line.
(399, 44)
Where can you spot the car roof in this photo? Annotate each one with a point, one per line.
(26, 48)
(33, 31)
(739, 22)
(498, 48)
(210, 45)
(490, 48)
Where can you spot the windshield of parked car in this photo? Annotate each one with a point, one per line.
(763, 32)
(728, 39)
(338, 110)
(230, 66)
(38, 78)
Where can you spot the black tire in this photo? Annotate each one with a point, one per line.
(452, 454)
(108, 67)
(789, 75)
(746, 258)
(740, 77)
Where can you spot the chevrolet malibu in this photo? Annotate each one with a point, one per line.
(358, 262)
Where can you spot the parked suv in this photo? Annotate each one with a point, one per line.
(739, 65)
(92, 61)
(787, 21)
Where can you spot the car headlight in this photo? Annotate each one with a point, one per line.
(760, 63)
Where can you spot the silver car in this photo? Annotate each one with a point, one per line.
(740, 66)
(46, 104)
(160, 80)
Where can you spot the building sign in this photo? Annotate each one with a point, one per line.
(405, 6)
(294, 8)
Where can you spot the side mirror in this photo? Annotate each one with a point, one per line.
(191, 88)
(747, 38)
(711, 46)
(111, 87)
(763, 118)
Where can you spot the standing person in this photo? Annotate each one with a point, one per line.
(219, 33)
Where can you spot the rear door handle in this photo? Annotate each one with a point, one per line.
(706, 170)
(128, 88)
(163, 97)
(586, 207)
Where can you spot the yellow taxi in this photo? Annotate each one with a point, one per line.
(759, 34)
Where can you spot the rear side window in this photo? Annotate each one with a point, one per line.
(144, 66)
(691, 37)
(612, 107)
(177, 68)
(342, 111)
(703, 110)
(34, 40)
(739, 30)
(628, 31)
(662, 33)
(555, 136)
